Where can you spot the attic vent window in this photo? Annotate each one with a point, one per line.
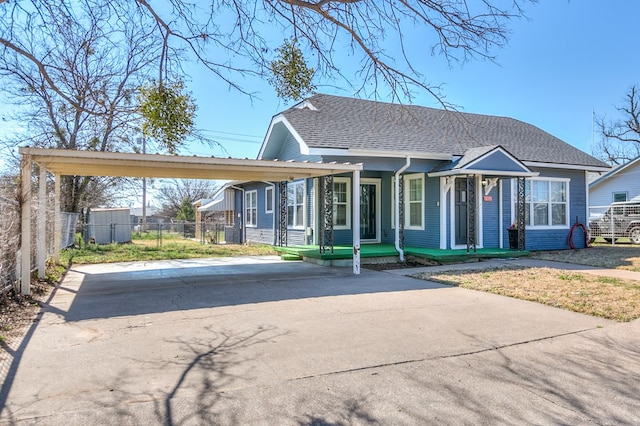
(306, 105)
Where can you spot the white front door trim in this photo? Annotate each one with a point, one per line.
(376, 182)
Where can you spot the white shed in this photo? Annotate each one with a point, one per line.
(110, 225)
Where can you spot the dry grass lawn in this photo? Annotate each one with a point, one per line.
(605, 297)
(618, 256)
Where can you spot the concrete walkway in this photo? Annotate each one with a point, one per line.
(259, 341)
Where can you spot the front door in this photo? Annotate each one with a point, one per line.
(368, 211)
(460, 212)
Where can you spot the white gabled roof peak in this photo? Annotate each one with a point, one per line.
(306, 104)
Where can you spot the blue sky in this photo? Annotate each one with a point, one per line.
(568, 59)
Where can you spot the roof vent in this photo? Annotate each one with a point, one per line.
(306, 104)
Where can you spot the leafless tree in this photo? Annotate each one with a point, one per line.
(174, 191)
(620, 137)
(79, 94)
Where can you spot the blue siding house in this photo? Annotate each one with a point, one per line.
(431, 178)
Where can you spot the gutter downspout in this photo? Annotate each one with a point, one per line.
(244, 225)
(273, 208)
(397, 207)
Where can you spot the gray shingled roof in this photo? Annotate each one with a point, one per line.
(339, 122)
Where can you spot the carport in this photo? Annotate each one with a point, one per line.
(62, 162)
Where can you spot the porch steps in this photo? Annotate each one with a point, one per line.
(290, 256)
(461, 256)
(381, 253)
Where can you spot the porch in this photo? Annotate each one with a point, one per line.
(386, 253)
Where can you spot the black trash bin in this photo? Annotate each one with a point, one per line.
(513, 239)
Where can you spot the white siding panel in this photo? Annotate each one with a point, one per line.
(628, 180)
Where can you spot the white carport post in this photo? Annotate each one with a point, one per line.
(41, 238)
(356, 222)
(25, 246)
(57, 220)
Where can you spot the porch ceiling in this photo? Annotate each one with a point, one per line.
(88, 163)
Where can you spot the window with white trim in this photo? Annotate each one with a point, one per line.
(413, 201)
(251, 208)
(295, 204)
(620, 197)
(341, 203)
(546, 203)
(268, 199)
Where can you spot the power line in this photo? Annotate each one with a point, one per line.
(233, 134)
(220, 140)
(224, 137)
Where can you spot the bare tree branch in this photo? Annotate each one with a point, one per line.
(227, 37)
(174, 191)
(97, 67)
(620, 140)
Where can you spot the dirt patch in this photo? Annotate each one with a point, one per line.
(605, 297)
(17, 314)
(388, 266)
(397, 265)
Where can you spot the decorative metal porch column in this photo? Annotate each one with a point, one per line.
(520, 213)
(326, 211)
(282, 214)
(471, 213)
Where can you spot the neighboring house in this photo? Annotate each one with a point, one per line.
(221, 210)
(431, 178)
(152, 216)
(199, 218)
(619, 184)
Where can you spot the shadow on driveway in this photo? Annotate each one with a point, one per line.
(111, 290)
(392, 355)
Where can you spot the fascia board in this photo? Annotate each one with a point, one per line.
(488, 154)
(566, 166)
(458, 172)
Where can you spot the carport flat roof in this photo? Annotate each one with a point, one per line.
(90, 163)
(63, 162)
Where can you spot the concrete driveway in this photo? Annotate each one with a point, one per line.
(265, 342)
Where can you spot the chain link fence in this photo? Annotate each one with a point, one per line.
(11, 232)
(110, 233)
(79, 233)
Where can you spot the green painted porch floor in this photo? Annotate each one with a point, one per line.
(388, 250)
